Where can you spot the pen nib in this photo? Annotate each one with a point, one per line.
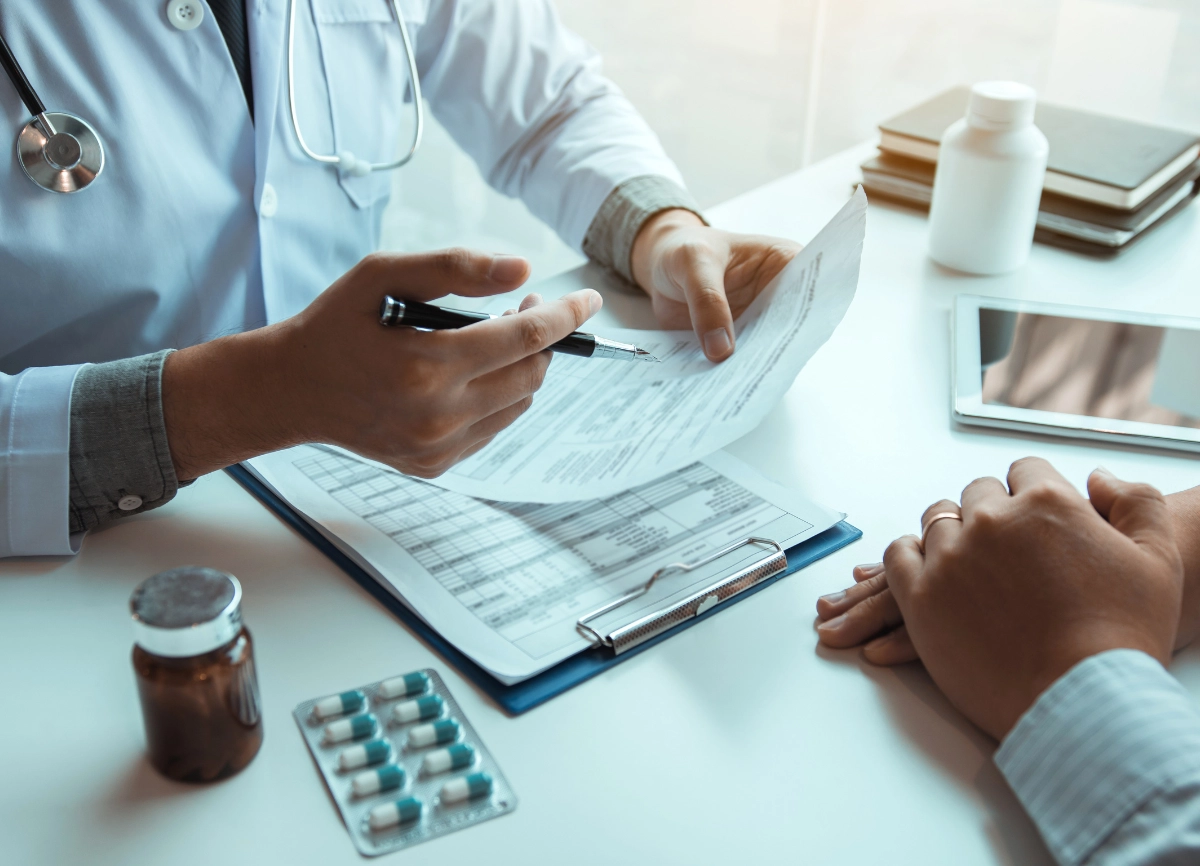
(643, 355)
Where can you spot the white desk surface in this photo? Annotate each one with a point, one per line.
(737, 741)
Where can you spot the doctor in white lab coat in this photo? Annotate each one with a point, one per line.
(210, 232)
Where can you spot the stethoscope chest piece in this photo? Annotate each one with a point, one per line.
(67, 161)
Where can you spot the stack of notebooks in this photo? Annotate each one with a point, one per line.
(1108, 181)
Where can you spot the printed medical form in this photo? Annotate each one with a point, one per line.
(505, 582)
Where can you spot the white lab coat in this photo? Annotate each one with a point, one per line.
(179, 240)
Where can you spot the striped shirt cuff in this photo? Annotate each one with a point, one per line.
(1113, 732)
(614, 228)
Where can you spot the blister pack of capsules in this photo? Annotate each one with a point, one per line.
(402, 762)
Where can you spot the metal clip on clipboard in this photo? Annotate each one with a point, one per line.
(631, 634)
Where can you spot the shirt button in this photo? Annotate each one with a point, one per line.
(129, 503)
(269, 203)
(185, 14)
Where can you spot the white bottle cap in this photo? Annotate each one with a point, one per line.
(1000, 105)
(186, 611)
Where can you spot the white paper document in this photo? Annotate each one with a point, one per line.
(506, 582)
(599, 427)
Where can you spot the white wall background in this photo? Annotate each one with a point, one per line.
(743, 91)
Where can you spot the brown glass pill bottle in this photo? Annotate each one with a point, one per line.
(194, 662)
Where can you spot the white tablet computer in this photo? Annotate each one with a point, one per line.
(1077, 371)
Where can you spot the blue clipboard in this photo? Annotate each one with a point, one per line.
(526, 695)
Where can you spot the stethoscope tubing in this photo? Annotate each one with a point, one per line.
(24, 88)
(414, 78)
(17, 75)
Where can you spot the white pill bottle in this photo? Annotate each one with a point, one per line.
(990, 170)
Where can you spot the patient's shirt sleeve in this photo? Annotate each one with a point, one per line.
(1107, 764)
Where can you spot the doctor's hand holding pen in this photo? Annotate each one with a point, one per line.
(421, 401)
(703, 278)
(417, 400)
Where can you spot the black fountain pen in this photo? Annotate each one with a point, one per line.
(414, 314)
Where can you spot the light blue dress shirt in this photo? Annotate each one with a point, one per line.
(205, 223)
(1107, 763)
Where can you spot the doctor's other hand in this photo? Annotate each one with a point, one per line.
(703, 278)
(419, 401)
(1034, 579)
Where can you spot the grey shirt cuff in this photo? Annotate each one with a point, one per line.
(610, 237)
(120, 461)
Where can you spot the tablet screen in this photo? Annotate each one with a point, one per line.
(1090, 367)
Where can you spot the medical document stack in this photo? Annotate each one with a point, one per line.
(619, 477)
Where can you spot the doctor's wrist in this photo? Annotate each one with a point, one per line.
(653, 240)
(223, 402)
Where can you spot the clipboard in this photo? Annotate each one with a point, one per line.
(527, 694)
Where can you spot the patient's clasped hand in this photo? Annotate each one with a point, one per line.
(1048, 618)
(1032, 580)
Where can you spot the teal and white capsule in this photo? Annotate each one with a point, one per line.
(405, 686)
(365, 754)
(470, 787)
(336, 705)
(433, 734)
(420, 709)
(354, 728)
(456, 757)
(389, 778)
(398, 812)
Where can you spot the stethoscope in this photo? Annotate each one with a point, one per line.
(345, 161)
(62, 153)
(58, 151)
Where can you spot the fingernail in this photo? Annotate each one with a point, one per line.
(1101, 470)
(833, 624)
(717, 343)
(507, 269)
(834, 597)
(870, 567)
(533, 300)
(595, 302)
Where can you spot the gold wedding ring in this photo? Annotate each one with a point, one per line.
(941, 515)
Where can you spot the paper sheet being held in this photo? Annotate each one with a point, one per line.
(597, 428)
